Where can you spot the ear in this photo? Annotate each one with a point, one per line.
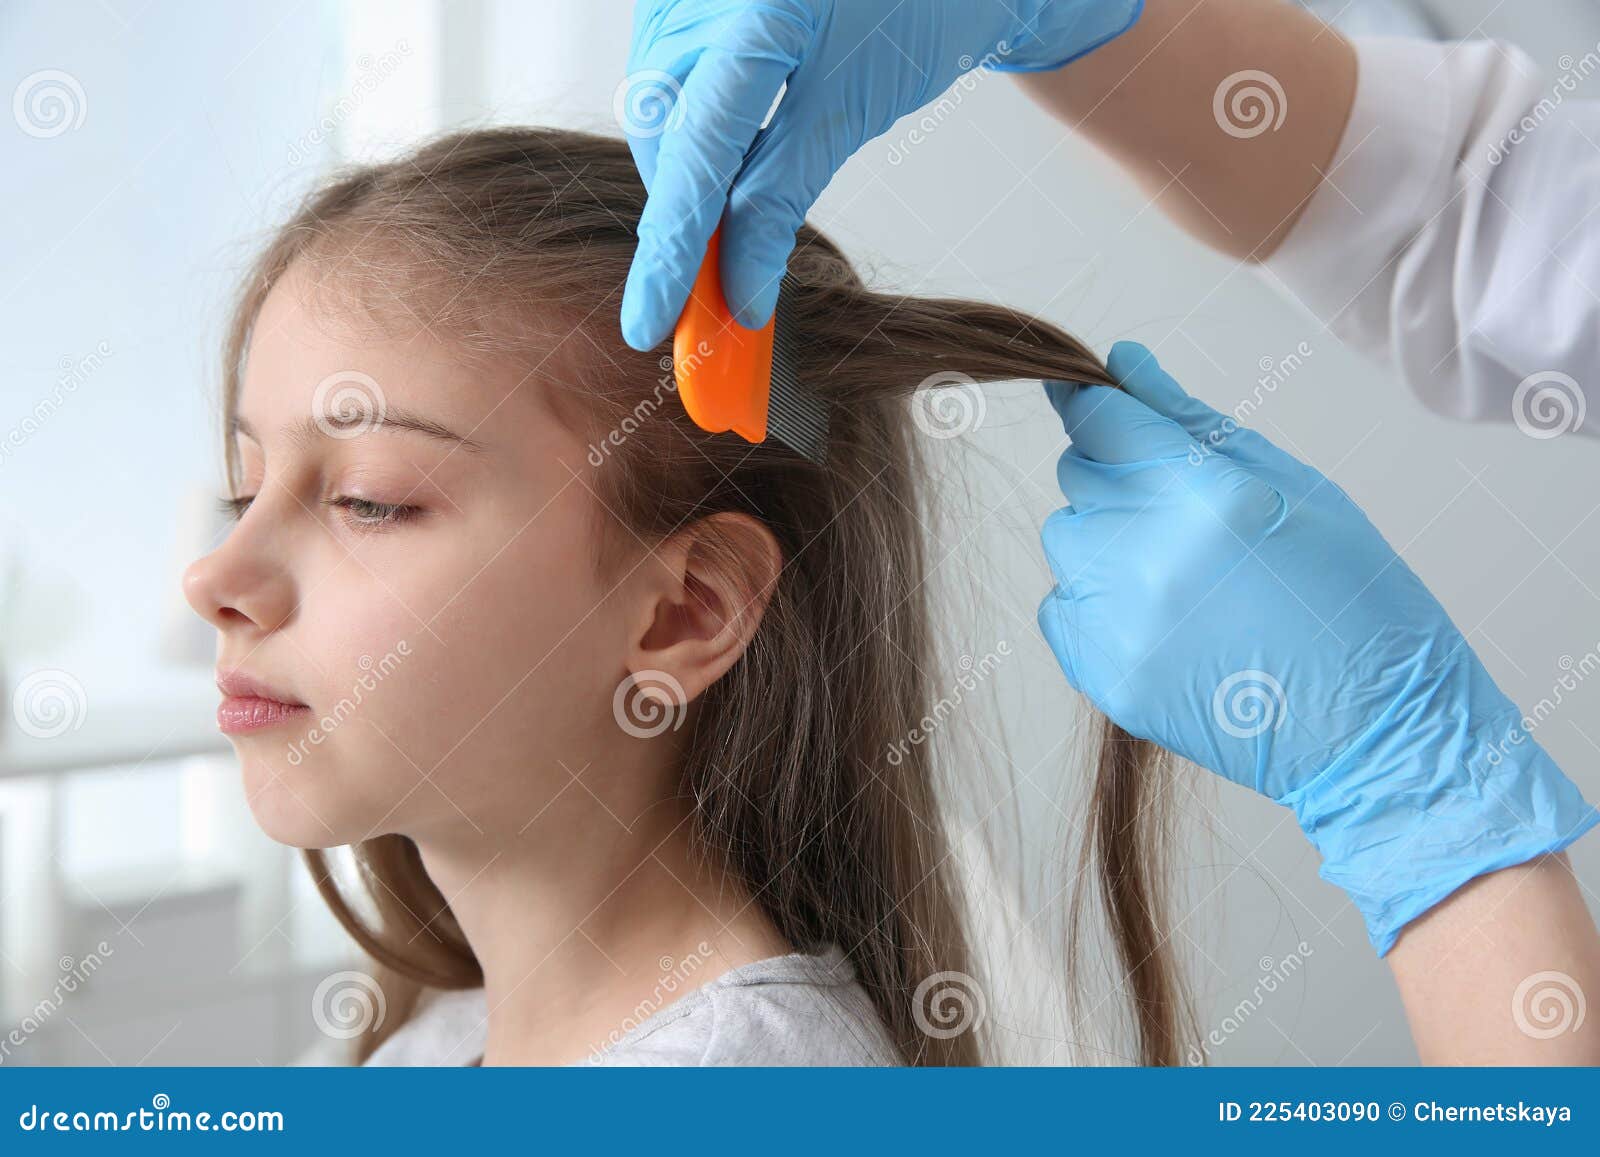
(704, 594)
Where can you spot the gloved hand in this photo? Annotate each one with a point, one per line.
(702, 76)
(1225, 600)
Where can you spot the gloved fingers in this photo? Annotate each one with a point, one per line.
(1066, 620)
(1129, 488)
(1203, 497)
(1111, 426)
(1079, 546)
(792, 162)
(695, 159)
(1056, 536)
(1140, 374)
(1055, 618)
(1240, 500)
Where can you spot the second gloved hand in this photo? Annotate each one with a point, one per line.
(1223, 599)
(703, 74)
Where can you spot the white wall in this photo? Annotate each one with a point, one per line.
(121, 243)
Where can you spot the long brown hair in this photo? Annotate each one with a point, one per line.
(518, 241)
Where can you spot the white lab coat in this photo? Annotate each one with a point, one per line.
(1458, 233)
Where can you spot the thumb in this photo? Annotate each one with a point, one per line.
(1112, 427)
(1139, 373)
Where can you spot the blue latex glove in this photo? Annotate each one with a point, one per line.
(703, 74)
(1225, 600)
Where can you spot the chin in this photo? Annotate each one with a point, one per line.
(299, 806)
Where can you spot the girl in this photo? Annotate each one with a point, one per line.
(605, 706)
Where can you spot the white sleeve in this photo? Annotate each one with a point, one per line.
(1458, 232)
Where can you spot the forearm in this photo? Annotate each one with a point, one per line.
(1147, 100)
(1496, 974)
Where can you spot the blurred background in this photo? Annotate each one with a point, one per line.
(143, 917)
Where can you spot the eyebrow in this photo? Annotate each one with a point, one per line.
(309, 429)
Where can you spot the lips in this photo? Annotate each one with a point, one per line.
(251, 704)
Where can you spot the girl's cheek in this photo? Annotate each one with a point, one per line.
(361, 634)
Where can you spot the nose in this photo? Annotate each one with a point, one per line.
(241, 584)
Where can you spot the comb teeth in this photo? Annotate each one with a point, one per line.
(795, 416)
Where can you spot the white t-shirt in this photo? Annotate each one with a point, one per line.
(1457, 234)
(799, 1009)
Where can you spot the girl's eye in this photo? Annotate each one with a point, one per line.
(234, 508)
(368, 515)
(363, 513)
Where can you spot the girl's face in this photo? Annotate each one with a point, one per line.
(414, 564)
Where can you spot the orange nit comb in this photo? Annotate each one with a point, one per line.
(723, 369)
